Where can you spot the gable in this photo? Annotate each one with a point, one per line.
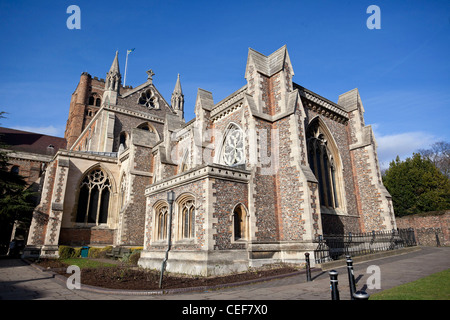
(145, 98)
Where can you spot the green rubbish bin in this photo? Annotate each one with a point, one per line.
(84, 252)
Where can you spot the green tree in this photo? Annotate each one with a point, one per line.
(17, 201)
(416, 186)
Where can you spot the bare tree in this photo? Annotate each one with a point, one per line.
(439, 154)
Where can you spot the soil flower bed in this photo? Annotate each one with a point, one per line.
(127, 277)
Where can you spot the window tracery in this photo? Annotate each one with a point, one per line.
(323, 165)
(162, 222)
(187, 209)
(232, 153)
(149, 99)
(93, 200)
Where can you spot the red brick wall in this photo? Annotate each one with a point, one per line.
(427, 226)
(86, 236)
(29, 169)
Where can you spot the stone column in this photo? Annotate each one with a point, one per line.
(50, 248)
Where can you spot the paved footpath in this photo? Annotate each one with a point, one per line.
(20, 281)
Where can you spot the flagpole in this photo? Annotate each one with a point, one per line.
(126, 63)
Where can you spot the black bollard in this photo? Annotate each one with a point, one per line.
(351, 277)
(361, 295)
(438, 243)
(334, 284)
(308, 267)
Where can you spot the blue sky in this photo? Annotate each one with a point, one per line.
(401, 70)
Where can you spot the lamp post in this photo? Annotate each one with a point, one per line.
(170, 200)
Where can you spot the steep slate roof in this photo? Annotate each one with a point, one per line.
(268, 65)
(31, 142)
(204, 100)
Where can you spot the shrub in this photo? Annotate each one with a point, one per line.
(66, 252)
(76, 252)
(134, 257)
(98, 252)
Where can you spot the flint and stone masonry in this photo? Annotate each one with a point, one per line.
(257, 176)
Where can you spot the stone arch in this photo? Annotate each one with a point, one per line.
(325, 162)
(123, 140)
(185, 211)
(147, 126)
(94, 194)
(240, 222)
(160, 220)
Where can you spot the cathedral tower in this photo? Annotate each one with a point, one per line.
(78, 103)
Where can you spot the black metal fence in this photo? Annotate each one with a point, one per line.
(334, 247)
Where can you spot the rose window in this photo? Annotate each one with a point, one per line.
(148, 99)
(233, 147)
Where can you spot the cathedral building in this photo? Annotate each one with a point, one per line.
(255, 178)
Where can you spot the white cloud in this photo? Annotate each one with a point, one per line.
(401, 144)
(48, 130)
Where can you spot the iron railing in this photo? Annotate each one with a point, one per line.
(334, 247)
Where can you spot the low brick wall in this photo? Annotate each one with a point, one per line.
(86, 236)
(431, 229)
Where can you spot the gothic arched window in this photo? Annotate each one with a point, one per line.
(232, 152)
(123, 139)
(240, 224)
(93, 199)
(186, 217)
(323, 164)
(146, 127)
(161, 221)
(15, 169)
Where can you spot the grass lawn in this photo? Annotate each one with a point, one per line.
(87, 263)
(433, 287)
